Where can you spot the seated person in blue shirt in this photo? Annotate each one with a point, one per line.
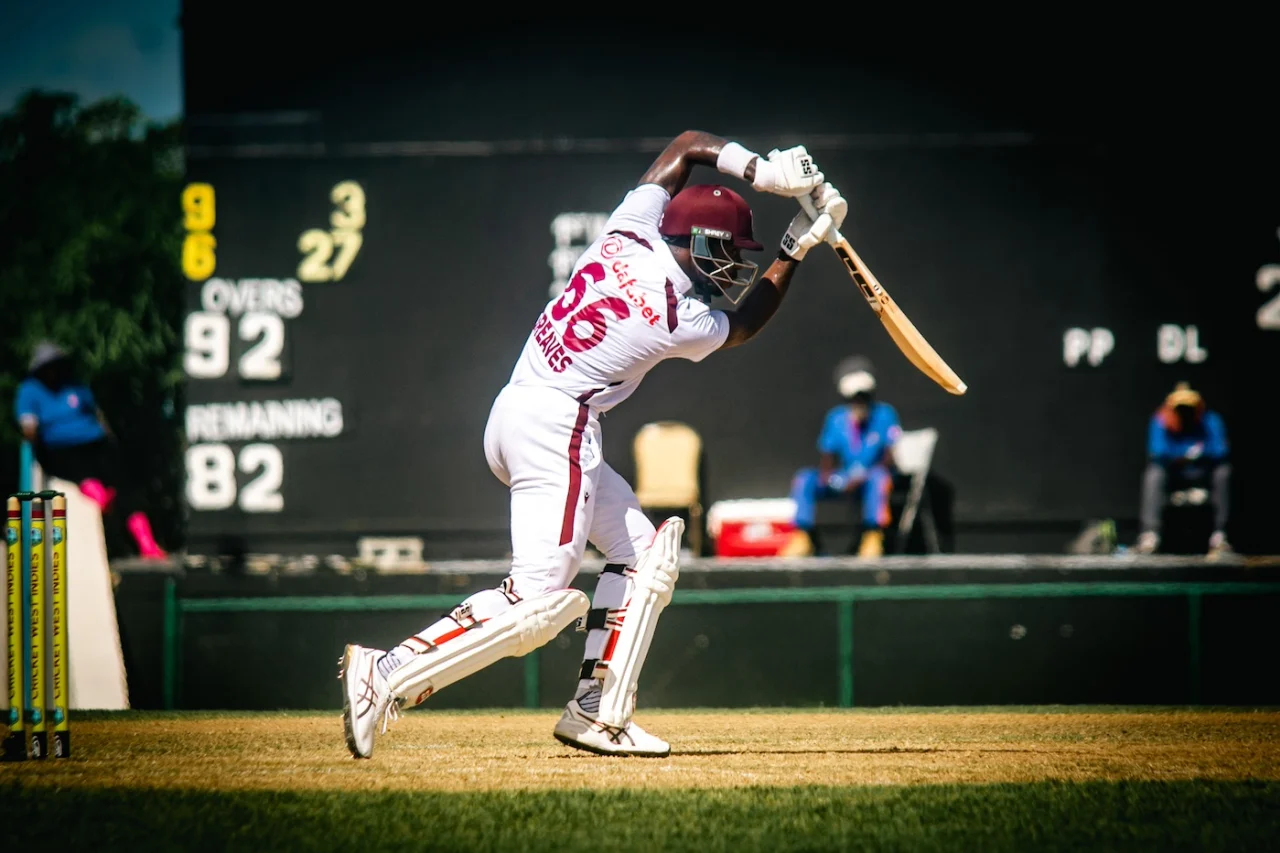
(855, 463)
(1186, 449)
(68, 433)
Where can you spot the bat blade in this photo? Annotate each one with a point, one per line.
(901, 330)
(918, 351)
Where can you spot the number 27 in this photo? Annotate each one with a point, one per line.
(591, 314)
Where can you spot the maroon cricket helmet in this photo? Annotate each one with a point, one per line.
(718, 211)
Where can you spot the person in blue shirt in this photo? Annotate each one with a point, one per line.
(71, 440)
(1186, 449)
(855, 462)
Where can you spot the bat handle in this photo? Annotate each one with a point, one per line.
(806, 204)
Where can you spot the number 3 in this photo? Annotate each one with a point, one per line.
(590, 315)
(349, 198)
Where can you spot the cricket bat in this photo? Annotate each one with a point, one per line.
(902, 330)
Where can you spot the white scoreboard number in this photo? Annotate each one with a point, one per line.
(208, 345)
(1269, 312)
(211, 477)
(237, 334)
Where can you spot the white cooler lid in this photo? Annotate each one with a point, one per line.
(749, 509)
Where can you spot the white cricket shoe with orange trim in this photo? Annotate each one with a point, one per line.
(579, 728)
(366, 699)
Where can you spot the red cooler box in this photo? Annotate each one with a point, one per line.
(754, 527)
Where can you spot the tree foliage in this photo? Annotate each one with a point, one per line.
(90, 236)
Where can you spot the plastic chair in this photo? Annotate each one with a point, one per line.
(913, 455)
(668, 455)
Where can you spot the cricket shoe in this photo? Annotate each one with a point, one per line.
(579, 728)
(366, 699)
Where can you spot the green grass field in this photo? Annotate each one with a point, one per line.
(888, 779)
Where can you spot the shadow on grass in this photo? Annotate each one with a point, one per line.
(1041, 816)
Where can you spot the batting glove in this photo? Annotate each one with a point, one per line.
(788, 173)
(805, 233)
(829, 201)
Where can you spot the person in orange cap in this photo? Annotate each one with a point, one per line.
(1186, 450)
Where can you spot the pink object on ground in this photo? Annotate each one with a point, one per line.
(140, 527)
(98, 492)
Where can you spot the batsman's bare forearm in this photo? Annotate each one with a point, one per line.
(761, 303)
(693, 147)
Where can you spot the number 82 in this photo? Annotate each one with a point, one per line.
(211, 477)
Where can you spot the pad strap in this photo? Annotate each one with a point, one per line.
(592, 668)
(601, 618)
(596, 618)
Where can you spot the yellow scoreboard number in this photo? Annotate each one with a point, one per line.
(199, 214)
(345, 235)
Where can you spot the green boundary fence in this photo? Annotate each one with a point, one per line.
(844, 597)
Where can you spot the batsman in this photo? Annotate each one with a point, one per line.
(641, 293)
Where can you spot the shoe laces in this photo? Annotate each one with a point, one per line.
(391, 714)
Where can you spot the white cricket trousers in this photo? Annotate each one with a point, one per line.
(546, 447)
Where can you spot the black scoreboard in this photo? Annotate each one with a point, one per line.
(240, 338)
(369, 242)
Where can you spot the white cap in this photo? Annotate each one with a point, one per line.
(853, 383)
(45, 352)
(855, 375)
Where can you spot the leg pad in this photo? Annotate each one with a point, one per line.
(654, 582)
(514, 632)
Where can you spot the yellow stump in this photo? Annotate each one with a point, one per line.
(60, 657)
(15, 747)
(39, 742)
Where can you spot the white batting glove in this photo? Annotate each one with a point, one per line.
(827, 199)
(803, 234)
(788, 173)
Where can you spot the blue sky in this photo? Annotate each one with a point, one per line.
(94, 48)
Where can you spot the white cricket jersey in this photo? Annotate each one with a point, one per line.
(625, 310)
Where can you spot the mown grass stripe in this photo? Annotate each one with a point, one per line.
(1201, 815)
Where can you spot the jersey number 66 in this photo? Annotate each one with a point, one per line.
(591, 314)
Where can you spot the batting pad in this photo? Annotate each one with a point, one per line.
(654, 580)
(514, 632)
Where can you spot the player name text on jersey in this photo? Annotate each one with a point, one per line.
(552, 348)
